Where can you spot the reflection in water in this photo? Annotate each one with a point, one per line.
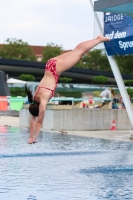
(9, 129)
(3, 129)
(14, 130)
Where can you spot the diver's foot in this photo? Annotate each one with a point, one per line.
(34, 141)
(103, 39)
(30, 141)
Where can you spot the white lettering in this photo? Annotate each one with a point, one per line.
(109, 18)
(120, 35)
(111, 35)
(116, 35)
(113, 18)
(120, 44)
(125, 45)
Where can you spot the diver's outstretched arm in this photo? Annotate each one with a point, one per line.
(32, 129)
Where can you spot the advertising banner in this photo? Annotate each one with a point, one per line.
(119, 28)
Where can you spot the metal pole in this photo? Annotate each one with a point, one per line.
(117, 76)
(95, 15)
(121, 87)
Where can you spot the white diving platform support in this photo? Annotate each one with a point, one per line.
(118, 77)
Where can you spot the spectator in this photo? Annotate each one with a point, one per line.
(105, 94)
(114, 100)
(122, 102)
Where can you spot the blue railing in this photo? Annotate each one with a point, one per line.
(24, 99)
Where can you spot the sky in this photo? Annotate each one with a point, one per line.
(39, 22)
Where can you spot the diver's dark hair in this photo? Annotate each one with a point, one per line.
(34, 109)
(29, 94)
(34, 105)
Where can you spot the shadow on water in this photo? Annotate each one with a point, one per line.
(31, 197)
(108, 170)
(51, 154)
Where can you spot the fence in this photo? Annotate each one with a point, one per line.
(12, 105)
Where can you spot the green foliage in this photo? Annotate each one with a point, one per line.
(51, 51)
(96, 93)
(95, 60)
(100, 79)
(17, 49)
(65, 80)
(125, 64)
(71, 94)
(128, 82)
(26, 77)
(17, 91)
(130, 92)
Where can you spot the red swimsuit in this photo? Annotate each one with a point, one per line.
(51, 67)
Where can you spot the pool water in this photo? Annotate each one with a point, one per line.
(64, 167)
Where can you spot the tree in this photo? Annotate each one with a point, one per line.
(128, 82)
(26, 77)
(95, 60)
(71, 94)
(65, 79)
(17, 49)
(100, 79)
(125, 64)
(17, 91)
(50, 51)
(130, 92)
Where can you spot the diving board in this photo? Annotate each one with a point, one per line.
(114, 6)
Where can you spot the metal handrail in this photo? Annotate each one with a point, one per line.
(56, 99)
